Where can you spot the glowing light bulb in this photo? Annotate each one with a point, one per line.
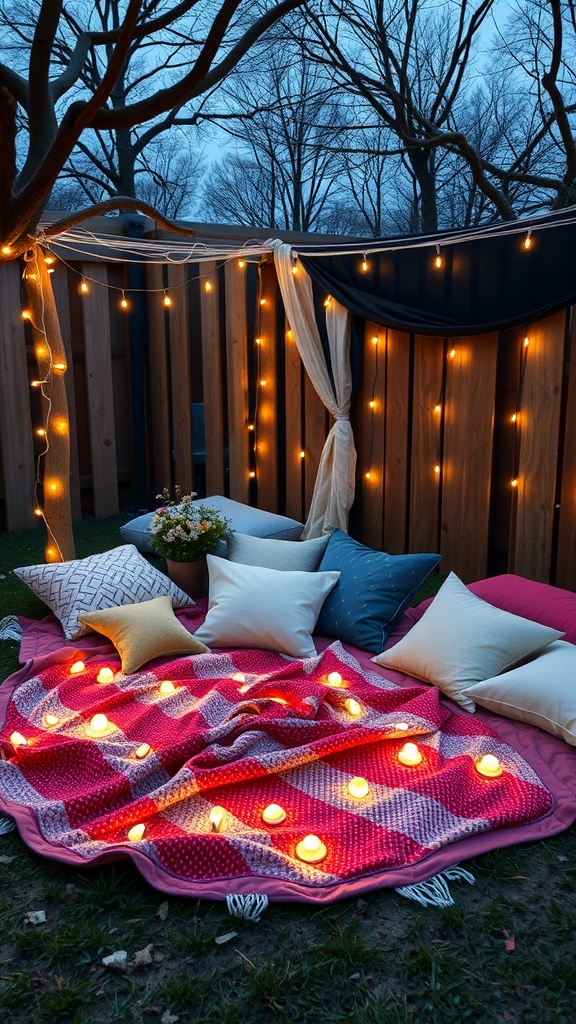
(372, 404)
(489, 765)
(18, 740)
(252, 474)
(302, 454)
(375, 339)
(528, 240)
(84, 287)
(142, 751)
(368, 475)
(250, 426)
(364, 264)
(137, 832)
(353, 706)
(166, 687)
(216, 818)
(105, 675)
(38, 511)
(6, 250)
(409, 754)
(438, 262)
(311, 849)
(273, 814)
(77, 668)
(99, 724)
(51, 554)
(262, 302)
(514, 481)
(263, 382)
(437, 469)
(239, 677)
(514, 417)
(26, 314)
(123, 302)
(36, 383)
(294, 269)
(241, 263)
(334, 679)
(167, 300)
(41, 432)
(437, 407)
(207, 285)
(526, 341)
(358, 787)
(50, 270)
(327, 301)
(59, 367)
(452, 353)
(50, 719)
(257, 341)
(49, 260)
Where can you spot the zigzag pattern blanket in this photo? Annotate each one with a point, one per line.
(281, 736)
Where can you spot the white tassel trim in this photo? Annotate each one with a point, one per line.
(6, 826)
(435, 891)
(10, 628)
(249, 907)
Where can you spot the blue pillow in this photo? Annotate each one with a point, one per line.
(373, 590)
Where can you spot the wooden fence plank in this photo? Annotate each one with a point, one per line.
(95, 316)
(180, 380)
(159, 418)
(62, 298)
(212, 381)
(539, 426)
(15, 422)
(315, 433)
(237, 380)
(293, 426)
(266, 425)
(467, 462)
(397, 424)
(426, 444)
(566, 557)
(372, 437)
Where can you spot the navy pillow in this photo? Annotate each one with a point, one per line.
(373, 590)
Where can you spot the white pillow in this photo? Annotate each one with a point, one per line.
(542, 692)
(461, 639)
(287, 555)
(251, 606)
(117, 577)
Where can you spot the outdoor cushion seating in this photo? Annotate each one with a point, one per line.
(243, 518)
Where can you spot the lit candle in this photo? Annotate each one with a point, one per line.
(50, 719)
(143, 750)
(77, 667)
(166, 686)
(311, 849)
(18, 740)
(136, 832)
(273, 814)
(489, 765)
(358, 787)
(105, 675)
(216, 818)
(353, 706)
(239, 677)
(99, 724)
(409, 754)
(334, 679)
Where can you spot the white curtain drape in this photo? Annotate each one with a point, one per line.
(334, 488)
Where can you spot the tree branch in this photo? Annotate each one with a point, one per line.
(118, 202)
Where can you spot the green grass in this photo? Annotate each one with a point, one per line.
(376, 960)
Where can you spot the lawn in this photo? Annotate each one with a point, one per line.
(502, 953)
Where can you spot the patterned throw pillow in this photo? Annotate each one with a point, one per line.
(117, 577)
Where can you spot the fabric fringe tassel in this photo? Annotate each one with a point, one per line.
(10, 628)
(435, 892)
(249, 907)
(6, 826)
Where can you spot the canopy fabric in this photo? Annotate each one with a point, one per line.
(489, 278)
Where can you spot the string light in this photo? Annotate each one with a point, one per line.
(207, 285)
(252, 474)
(439, 260)
(371, 404)
(59, 367)
(262, 302)
(528, 239)
(6, 250)
(257, 341)
(452, 353)
(294, 266)
(514, 482)
(368, 474)
(40, 432)
(167, 301)
(26, 314)
(242, 264)
(364, 264)
(49, 260)
(263, 382)
(526, 341)
(438, 407)
(83, 287)
(123, 301)
(36, 383)
(38, 511)
(302, 454)
(437, 469)
(250, 426)
(327, 301)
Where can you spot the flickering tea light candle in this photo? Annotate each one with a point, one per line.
(353, 707)
(216, 818)
(105, 675)
(166, 687)
(77, 667)
(99, 725)
(311, 849)
(490, 766)
(358, 787)
(142, 751)
(50, 719)
(273, 814)
(18, 740)
(409, 754)
(334, 679)
(137, 832)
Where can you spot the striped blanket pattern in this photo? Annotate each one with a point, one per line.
(279, 734)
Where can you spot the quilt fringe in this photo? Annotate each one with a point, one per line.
(6, 826)
(435, 892)
(10, 628)
(250, 907)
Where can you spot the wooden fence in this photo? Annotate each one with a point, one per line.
(442, 465)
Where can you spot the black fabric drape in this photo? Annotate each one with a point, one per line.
(488, 282)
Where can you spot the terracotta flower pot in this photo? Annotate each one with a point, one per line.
(191, 577)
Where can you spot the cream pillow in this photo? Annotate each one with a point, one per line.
(461, 639)
(250, 606)
(144, 631)
(542, 692)
(117, 577)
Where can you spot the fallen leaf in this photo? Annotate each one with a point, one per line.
(6, 860)
(117, 960)
(220, 939)
(35, 917)
(509, 942)
(144, 956)
(168, 1018)
(162, 913)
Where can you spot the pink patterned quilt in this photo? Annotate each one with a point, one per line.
(281, 735)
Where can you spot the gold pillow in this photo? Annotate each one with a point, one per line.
(144, 631)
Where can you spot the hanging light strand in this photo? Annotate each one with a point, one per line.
(372, 402)
(516, 419)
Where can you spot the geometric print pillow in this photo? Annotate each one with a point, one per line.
(117, 577)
